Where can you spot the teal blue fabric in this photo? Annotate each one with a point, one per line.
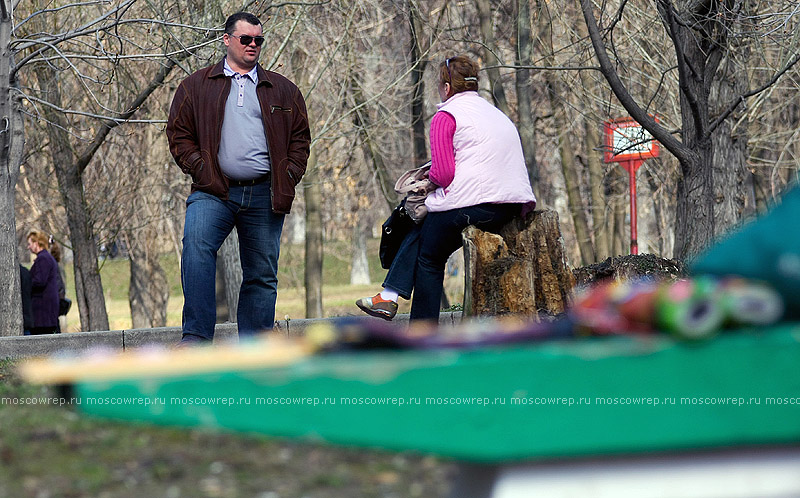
(766, 249)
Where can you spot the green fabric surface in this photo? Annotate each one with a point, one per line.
(727, 383)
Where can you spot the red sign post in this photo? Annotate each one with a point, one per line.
(628, 144)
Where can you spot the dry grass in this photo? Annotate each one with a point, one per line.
(338, 298)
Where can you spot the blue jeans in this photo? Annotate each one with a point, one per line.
(420, 261)
(209, 220)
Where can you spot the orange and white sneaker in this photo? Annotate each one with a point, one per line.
(376, 306)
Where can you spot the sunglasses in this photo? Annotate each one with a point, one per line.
(247, 39)
(449, 76)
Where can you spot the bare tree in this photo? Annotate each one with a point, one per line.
(558, 96)
(314, 239)
(701, 37)
(489, 51)
(85, 75)
(602, 223)
(11, 140)
(522, 79)
(417, 83)
(366, 69)
(139, 217)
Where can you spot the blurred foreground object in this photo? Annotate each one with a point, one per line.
(766, 249)
(158, 361)
(611, 403)
(691, 309)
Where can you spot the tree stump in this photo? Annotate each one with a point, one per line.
(631, 266)
(522, 270)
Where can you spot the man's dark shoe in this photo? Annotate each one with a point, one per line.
(191, 340)
(376, 306)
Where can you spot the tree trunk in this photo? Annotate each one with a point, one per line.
(662, 217)
(417, 87)
(734, 191)
(602, 219)
(601, 224)
(88, 286)
(359, 270)
(489, 57)
(229, 262)
(312, 198)
(557, 95)
(314, 241)
(10, 158)
(148, 294)
(372, 152)
(761, 184)
(221, 298)
(522, 270)
(699, 46)
(522, 78)
(148, 291)
(574, 197)
(694, 214)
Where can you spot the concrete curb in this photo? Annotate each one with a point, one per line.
(45, 345)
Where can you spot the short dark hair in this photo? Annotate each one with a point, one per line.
(230, 24)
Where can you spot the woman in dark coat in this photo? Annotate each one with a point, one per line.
(27, 291)
(45, 281)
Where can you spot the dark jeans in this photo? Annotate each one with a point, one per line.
(420, 262)
(44, 330)
(209, 220)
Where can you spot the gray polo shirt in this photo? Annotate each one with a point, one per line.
(243, 150)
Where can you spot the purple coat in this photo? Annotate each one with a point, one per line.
(44, 298)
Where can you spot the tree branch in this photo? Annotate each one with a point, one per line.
(544, 68)
(699, 8)
(106, 127)
(733, 105)
(672, 25)
(92, 115)
(618, 87)
(53, 40)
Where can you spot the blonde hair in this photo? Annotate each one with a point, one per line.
(40, 238)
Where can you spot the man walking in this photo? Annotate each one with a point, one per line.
(242, 134)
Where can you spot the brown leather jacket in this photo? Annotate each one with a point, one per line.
(194, 129)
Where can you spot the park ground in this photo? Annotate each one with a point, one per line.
(51, 451)
(338, 295)
(55, 451)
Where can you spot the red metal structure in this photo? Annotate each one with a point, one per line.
(628, 144)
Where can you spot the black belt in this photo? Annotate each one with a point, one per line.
(248, 183)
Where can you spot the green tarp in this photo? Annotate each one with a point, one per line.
(595, 396)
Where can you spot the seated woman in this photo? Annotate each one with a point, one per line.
(479, 167)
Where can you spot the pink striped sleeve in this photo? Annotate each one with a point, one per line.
(443, 155)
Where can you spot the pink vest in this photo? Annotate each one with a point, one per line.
(490, 166)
